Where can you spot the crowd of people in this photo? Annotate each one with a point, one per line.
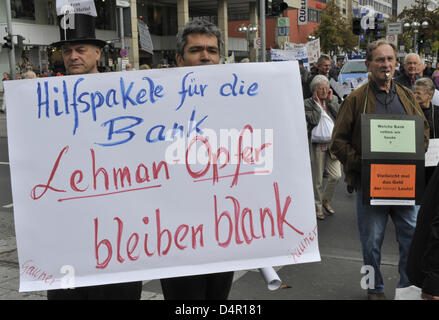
(334, 134)
(408, 91)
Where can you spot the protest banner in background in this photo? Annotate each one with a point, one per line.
(296, 52)
(151, 174)
(313, 49)
(145, 40)
(308, 52)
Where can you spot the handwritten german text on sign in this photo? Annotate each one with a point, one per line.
(159, 173)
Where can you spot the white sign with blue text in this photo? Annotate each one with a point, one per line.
(151, 174)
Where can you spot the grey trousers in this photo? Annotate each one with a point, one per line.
(320, 159)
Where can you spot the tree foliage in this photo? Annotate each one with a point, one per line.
(419, 13)
(334, 31)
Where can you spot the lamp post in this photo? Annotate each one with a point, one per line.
(247, 29)
(415, 26)
(311, 37)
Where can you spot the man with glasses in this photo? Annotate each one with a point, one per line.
(408, 78)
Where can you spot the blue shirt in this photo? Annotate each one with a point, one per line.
(387, 103)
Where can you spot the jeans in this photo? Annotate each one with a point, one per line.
(372, 221)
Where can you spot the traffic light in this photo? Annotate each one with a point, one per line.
(277, 7)
(8, 43)
(356, 26)
(379, 26)
(421, 41)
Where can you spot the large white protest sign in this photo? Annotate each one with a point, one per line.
(151, 174)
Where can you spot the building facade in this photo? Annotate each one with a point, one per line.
(36, 21)
(380, 6)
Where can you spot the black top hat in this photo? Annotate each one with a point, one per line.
(77, 28)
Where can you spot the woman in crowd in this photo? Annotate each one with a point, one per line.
(424, 91)
(320, 111)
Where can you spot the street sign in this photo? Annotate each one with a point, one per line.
(123, 52)
(257, 43)
(283, 31)
(283, 22)
(392, 38)
(123, 3)
(394, 28)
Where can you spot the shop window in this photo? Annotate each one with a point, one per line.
(314, 15)
(106, 11)
(23, 9)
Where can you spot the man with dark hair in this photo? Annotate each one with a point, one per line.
(81, 52)
(380, 95)
(198, 44)
(323, 68)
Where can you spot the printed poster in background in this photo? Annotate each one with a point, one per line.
(150, 174)
(145, 40)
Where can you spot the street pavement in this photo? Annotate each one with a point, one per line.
(336, 277)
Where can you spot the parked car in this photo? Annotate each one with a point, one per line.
(353, 69)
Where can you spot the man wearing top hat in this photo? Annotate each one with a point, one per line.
(81, 52)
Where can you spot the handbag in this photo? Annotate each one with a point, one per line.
(322, 132)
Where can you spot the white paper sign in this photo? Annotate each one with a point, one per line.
(79, 6)
(310, 50)
(432, 154)
(313, 50)
(152, 174)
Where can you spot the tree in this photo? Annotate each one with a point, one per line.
(334, 31)
(418, 12)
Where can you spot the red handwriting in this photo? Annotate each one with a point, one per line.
(232, 175)
(244, 221)
(243, 154)
(163, 241)
(243, 228)
(304, 244)
(37, 273)
(99, 178)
